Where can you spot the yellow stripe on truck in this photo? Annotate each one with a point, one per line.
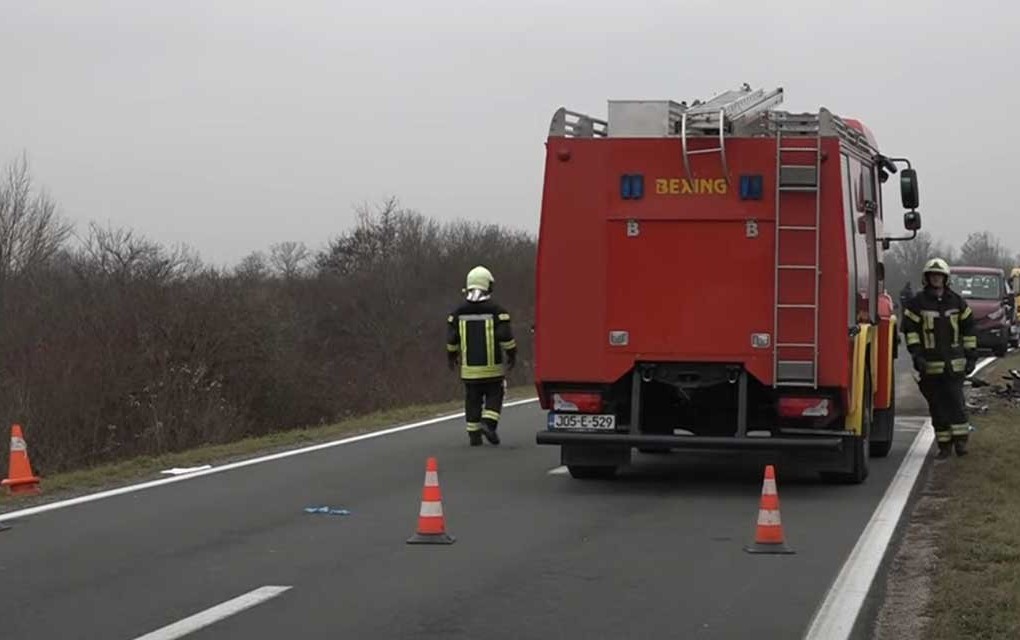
(861, 343)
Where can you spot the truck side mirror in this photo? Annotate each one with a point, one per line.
(912, 220)
(908, 189)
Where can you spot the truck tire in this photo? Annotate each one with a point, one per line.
(858, 451)
(586, 472)
(884, 423)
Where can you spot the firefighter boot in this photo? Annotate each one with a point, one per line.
(960, 444)
(945, 450)
(490, 432)
(475, 437)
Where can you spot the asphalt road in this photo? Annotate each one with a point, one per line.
(657, 552)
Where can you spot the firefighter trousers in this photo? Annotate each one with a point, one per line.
(482, 403)
(947, 406)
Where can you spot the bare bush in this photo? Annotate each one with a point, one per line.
(117, 346)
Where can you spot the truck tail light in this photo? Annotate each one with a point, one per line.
(803, 407)
(581, 402)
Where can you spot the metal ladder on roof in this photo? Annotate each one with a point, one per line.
(716, 117)
(793, 178)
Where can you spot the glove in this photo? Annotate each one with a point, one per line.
(971, 365)
(920, 363)
(451, 361)
(511, 360)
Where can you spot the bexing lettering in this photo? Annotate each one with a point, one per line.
(684, 187)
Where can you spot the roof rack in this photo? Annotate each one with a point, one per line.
(571, 124)
(718, 116)
(744, 112)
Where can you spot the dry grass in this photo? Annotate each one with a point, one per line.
(956, 572)
(64, 485)
(976, 590)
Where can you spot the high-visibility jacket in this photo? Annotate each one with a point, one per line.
(941, 329)
(480, 333)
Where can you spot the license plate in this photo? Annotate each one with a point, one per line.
(582, 421)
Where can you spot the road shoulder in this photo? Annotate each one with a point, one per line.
(963, 517)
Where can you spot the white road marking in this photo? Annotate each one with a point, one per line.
(837, 614)
(559, 471)
(214, 614)
(835, 618)
(180, 471)
(31, 511)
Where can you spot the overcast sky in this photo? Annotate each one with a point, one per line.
(234, 124)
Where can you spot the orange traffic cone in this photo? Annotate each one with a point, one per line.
(20, 480)
(431, 521)
(769, 535)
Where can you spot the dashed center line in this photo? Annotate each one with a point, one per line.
(214, 614)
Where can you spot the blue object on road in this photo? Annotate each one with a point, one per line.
(328, 511)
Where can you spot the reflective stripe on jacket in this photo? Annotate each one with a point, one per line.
(941, 329)
(480, 333)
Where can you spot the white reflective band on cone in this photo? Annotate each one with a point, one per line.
(769, 487)
(768, 517)
(431, 479)
(431, 509)
(17, 444)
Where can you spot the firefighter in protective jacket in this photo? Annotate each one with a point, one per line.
(478, 334)
(939, 328)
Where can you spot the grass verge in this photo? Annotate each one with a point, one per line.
(71, 483)
(976, 590)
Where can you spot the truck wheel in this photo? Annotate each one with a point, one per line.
(884, 424)
(584, 472)
(859, 448)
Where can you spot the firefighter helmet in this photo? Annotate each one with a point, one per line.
(937, 265)
(479, 278)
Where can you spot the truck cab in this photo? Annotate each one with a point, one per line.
(987, 292)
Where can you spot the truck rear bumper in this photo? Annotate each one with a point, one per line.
(747, 443)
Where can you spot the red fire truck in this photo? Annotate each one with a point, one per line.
(710, 276)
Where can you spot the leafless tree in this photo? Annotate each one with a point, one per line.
(905, 261)
(125, 255)
(982, 249)
(253, 266)
(368, 243)
(31, 230)
(289, 259)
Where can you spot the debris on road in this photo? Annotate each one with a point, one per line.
(977, 408)
(328, 511)
(981, 391)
